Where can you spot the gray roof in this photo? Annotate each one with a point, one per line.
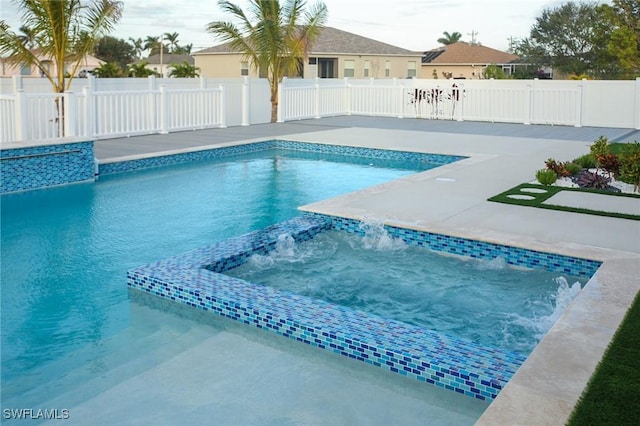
(335, 41)
(168, 58)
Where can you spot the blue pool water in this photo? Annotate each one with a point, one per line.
(485, 301)
(65, 251)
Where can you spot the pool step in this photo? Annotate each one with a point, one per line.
(89, 371)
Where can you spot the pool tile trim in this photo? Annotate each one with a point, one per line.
(197, 279)
(221, 152)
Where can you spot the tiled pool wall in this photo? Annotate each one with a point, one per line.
(209, 154)
(197, 279)
(47, 165)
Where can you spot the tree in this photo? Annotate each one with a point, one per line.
(138, 46)
(28, 37)
(152, 44)
(565, 36)
(619, 32)
(495, 72)
(64, 31)
(450, 38)
(140, 70)
(172, 38)
(184, 70)
(111, 49)
(275, 37)
(108, 70)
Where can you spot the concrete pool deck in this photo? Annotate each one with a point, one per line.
(452, 200)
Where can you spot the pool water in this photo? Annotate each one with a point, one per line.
(485, 301)
(65, 250)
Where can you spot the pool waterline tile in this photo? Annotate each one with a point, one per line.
(197, 279)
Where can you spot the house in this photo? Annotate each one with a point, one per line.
(160, 63)
(9, 69)
(465, 60)
(335, 54)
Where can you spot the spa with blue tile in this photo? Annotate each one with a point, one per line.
(197, 279)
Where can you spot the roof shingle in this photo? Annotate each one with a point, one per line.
(465, 53)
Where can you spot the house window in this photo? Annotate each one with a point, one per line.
(244, 68)
(367, 68)
(349, 68)
(412, 71)
(387, 69)
(25, 69)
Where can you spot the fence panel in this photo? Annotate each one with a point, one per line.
(193, 109)
(44, 116)
(124, 113)
(7, 118)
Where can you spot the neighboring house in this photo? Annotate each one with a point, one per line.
(335, 54)
(8, 69)
(465, 60)
(160, 63)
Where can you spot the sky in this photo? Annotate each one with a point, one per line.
(411, 24)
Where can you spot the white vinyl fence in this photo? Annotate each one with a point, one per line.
(107, 108)
(562, 102)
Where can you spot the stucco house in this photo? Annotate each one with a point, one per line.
(335, 54)
(160, 63)
(9, 69)
(465, 60)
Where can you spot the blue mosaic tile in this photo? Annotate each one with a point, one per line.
(197, 279)
(209, 154)
(43, 166)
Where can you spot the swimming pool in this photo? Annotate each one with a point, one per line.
(69, 247)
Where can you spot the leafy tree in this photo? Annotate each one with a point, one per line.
(565, 37)
(494, 71)
(63, 31)
(275, 36)
(108, 70)
(450, 38)
(111, 49)
(140, 70)
(184, 70)
(619, 32)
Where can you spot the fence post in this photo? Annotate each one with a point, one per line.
(89, 111)
(280, 106)
(636, 120)
(245, 102)
(347, 97)
(529, 104)
(400, 103)
(221, 108)
(316, 98)
(70, 113)
(164, 110)
(203, 82)
(152, 82)
(21, 115)
(17, 83)
(579, 102)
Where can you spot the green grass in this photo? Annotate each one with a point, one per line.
(539, 199)
(612, 396)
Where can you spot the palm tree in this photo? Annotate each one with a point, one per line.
(64, 31)
(275, 36)
(140, 70)
(152, 44)
(28, 37)
(184, 70)
(172, 38)
(138, 46)
(108, 70)
(450, 38)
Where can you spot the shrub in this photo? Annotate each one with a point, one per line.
(593, 180)
(546, 176)
(573, 168)
(610, 163)
(558, 167)
(630, 165)
(600, 147)
(587, 161)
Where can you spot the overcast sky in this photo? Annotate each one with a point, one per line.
(410, 24)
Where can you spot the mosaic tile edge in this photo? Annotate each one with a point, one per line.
(195, 279)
